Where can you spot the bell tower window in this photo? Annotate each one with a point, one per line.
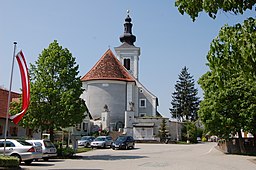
(127, 63)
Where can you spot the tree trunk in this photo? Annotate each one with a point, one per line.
(241, 142)
(51, 135)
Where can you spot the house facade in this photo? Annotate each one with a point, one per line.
(13, 130)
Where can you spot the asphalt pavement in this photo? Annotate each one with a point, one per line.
(203, 156)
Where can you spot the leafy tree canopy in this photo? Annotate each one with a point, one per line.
(194, 7)
(55, 91)
(229, 88)
(234, 50)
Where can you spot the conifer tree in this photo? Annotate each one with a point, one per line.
(184, 99)
(163, 131)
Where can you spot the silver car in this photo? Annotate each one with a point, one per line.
(102, 142)
(48, 148)
(86, 141)
(21, 149)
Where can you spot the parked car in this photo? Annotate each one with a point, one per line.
(213, 139)
(86, 141)
(48, 148)
(123, 142)
(102, 142)
(21, 149)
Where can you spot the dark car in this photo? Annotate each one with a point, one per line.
(123, 142)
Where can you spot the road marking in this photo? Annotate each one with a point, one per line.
(210, 150)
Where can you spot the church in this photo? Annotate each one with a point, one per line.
(114, 96)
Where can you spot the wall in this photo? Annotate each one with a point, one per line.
(232, 145)
(99, 93)
(4, 101)
(22, 132)
(173, 127)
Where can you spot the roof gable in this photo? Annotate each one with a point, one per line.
(108, 68)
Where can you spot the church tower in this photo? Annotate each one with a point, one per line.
(127, 53)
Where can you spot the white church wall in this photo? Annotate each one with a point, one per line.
(148, 109)
(106, 92)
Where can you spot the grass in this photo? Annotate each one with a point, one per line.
(82, 149)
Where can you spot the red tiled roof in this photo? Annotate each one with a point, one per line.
(108, 68)
(4, 101)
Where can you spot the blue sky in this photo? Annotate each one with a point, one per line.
(168, 40)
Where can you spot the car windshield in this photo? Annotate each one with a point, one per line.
(85, 138)
(100, 139)
(121, 138)
(38, 144)
(48, 144)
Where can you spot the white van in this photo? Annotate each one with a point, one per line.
(48, 148)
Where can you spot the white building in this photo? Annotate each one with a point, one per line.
(114, 95)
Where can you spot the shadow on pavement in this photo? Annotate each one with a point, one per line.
(40, 164)
(110, 157)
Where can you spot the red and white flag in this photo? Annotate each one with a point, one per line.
(25, 87)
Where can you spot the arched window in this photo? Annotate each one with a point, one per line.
(127, 63)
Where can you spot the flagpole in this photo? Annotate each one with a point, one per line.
(9, 97)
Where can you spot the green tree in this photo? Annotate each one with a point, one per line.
(55, 91)
(189, 132)
(229, 88)
(184, 100)
(163, 131)
(234, 50)
(194, 7)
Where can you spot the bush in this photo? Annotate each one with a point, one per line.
(9, 161)
(65, 152)
(204, 139)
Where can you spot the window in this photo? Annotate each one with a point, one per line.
(127, 63)
(8, 144)
(142, 114)
(78, 127)
(141, 90)
(14, 131)
(142, 103)
(85, 125)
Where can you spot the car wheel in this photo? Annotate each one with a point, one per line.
(17, 156)
(28, 162)
(87, 145)
(46, 159)
(133, 146)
